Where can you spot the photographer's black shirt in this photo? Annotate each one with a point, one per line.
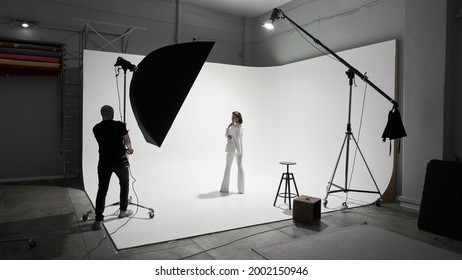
(109, 134)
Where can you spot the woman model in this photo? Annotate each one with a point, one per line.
(234, 150)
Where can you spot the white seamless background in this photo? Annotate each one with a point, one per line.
(296, 112)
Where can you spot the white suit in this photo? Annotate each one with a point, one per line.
(233, 149)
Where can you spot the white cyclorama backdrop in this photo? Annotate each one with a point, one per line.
(296, 112)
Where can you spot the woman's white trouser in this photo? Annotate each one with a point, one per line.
(240, 172)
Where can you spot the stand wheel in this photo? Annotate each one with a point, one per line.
(344, 205)
(378, 202)
(151, 213)
(85, 217)
(31, 243)
(325, 203)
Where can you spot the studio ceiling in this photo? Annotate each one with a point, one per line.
(243, 8)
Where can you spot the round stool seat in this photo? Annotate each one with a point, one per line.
(287, 177)
(287, 163)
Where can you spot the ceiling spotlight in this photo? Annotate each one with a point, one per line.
(268, 25)
(22, 22)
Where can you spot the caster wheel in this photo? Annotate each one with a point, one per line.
(151, 214)
(84, 217)
(32, 243)
(378, 202)
(325, 203)
(344, 206)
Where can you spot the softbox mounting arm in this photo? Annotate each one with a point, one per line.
(279, 14)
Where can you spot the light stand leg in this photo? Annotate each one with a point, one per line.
(330, 183)
(367, 166)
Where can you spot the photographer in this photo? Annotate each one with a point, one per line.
(114, 145)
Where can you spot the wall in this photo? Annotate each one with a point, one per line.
(458, 81)
(424, 87)
(338, 24)
(227, 31)
(155, 24)
(30, 110)
(450, 96)
(453, 149)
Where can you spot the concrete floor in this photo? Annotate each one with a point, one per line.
(50, 213)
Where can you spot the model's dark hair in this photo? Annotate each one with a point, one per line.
(239, 116)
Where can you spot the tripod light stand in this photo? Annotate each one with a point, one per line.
(351, 72)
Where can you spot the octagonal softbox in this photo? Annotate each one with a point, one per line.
(161, 84)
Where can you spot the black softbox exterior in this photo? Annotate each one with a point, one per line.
(161, 84)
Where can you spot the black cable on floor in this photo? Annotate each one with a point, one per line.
(247, 236)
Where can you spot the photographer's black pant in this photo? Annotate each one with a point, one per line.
(105, 171)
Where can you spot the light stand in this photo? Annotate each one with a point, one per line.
(352, 71)
(125, 65)
(346, 141)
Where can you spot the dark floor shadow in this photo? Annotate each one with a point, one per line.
(214, 194)
(317, 226)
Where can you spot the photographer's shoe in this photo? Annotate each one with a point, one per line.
(97, 225)
(125, 214)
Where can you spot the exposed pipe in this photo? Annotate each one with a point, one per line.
(244, 35)
(178, 21)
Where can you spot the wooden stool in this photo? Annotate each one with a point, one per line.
(307, 209)
(286, 176)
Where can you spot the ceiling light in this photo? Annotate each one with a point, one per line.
(22, 22)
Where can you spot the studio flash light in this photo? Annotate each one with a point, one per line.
(125, 64)
(275, 15)
(268, 25)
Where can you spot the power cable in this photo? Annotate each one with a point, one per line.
(314, 46)
(124, 224)
(233, 241)
(117, 72)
